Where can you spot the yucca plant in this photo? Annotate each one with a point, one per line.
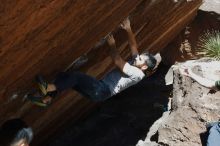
(209, 44)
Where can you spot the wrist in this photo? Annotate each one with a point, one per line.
(128, 29)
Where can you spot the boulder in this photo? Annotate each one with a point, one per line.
(46, 37)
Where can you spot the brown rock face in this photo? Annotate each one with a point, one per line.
(45, 37)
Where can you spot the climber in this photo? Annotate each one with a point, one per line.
(125, 75)
(15, 132)
(211, 84)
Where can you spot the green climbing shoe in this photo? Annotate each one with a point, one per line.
(42, 84)
(37, 100)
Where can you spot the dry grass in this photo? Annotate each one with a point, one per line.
(209, 44)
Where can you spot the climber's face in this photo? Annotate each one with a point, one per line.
(145, 61)
(140, 62)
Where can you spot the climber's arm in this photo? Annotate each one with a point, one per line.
(114, 53)
(131, 37)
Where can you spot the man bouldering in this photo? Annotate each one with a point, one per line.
(125, 75)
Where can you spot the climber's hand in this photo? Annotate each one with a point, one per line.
(126, 24)
(110, 40)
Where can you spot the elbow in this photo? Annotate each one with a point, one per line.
(134, 47)
(119, 63)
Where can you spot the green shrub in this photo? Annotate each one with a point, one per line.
(209, 44)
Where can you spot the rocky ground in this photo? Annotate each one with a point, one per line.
(192, 107)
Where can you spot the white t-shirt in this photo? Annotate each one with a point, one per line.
(118, 81)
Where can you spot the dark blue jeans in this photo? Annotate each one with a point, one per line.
(214, 135)
(86, 85)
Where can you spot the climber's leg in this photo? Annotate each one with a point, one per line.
(85, 84)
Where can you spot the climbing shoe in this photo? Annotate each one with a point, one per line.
(37, 100)
(42, 84)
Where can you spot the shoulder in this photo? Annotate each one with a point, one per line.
(133, 72)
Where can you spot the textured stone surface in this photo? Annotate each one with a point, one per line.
(193, 106)
(47, 36)
(211, 5)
